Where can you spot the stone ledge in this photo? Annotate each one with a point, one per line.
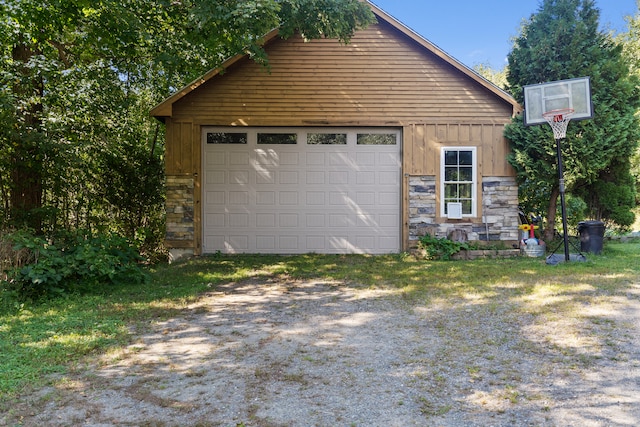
(486, 253)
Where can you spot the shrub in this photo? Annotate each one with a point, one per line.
(440, 248)
(75, 263)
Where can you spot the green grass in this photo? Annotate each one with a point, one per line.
(58, 335)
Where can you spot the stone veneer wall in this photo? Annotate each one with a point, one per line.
(500, 199)
(179, 206)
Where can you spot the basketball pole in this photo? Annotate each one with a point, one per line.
(562, 200)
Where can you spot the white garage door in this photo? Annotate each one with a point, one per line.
(286, 191)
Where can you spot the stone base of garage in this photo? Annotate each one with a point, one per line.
(500, 212)
(500, 199)
(486, 253)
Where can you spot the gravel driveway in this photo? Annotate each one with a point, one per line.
(323, 354)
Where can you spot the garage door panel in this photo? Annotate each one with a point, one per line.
(388, 244)
(289, 220)
(315, 220)
(340, 199)
(340, 160)
(289, 244)
(239, 159)
(215, 220)
(390, 221)
(289, 178)
(215, 198)
(239, 198)
(366, 178)
(315, 177)
(388, 159)
(238, 177)
(298, 198)
(266, 198)
(265, 220)
(316, 159)
(388, 199)
(316, 198)
(215, 159)
(265, 178)
(339, 177)
(239, 220)
(316, 243)
(239, 242)
(388, 178)
(288, 198)
(290, 159)
(266, 243)
(217, 241)
(366, 159)
(340, 221)
(216, 177)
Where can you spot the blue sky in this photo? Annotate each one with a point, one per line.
(476, 31)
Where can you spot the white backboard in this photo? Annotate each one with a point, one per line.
(544, 97)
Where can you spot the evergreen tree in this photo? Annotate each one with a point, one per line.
(562, 41)
(630, 41)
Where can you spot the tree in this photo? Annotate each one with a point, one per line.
(562, 41)
(497, 77)
(75, 75)
(630, 41)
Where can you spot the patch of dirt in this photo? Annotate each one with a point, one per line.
(322, 354)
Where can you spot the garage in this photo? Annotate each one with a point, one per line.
(301, 190)
(337, 148)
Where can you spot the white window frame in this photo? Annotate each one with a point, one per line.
(474, 182)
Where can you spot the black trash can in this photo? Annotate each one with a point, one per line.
(591, 236)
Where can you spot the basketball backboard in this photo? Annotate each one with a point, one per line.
(545, 97)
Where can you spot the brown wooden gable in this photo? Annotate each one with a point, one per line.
(387, 75)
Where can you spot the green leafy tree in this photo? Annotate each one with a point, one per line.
(78, 76)
(497, 77)
(562, 41)
(630, 41)
(614, 195)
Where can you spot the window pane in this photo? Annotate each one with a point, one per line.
(277, 138)
(327, 138)
(466, 174)
(466, 207)
(451, 192)
(226, 138)
(451, 174)
(466, 158)
(376, 139)
(450, 157)
(464, 191)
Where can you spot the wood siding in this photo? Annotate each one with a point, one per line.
(182, 147)
(422, 144)
(381, 78)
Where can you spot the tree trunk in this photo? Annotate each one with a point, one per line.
(549, 230)
(26, 158)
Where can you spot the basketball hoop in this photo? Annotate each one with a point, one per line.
(559, 120)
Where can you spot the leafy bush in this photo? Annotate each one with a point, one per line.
(440, 247)
(74, 263)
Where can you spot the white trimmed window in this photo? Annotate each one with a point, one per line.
(458, 171)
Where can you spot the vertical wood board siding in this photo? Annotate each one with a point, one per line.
(422, 144)
(181, 148)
